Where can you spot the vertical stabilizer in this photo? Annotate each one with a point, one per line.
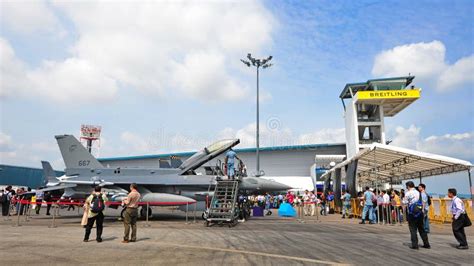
(49, 176)
(75, 155)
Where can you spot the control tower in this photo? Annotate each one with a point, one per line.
(366, 104)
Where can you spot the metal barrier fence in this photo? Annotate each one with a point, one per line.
(55, 207)
(439, 211)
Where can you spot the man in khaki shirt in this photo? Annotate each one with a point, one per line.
(131, 214)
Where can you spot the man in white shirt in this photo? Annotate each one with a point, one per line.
(306, 202)
(386, 206)
(415, 216)
(313, 200)
(39, 199)
(459, 219)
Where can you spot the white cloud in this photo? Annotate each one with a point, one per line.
(426, 61)
(201, 73)
(29, 154)
(459, 145)
(5, 142)
(72, 81)
(27, 17)
(456, 145)
(133, 143)
(159, 48)
(406, 137)
(462, 72)
(325, 135)
(12, 72)
(274, 134)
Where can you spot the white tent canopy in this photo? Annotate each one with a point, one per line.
(389, 164)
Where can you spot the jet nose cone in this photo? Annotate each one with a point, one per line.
(256, 183)
(276, 186)
(270, 185)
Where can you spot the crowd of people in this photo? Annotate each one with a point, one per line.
(378, 206)
(20, 201)
(387, 206)
(309, 200)
(412, 205)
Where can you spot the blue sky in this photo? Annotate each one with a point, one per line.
(167, 77)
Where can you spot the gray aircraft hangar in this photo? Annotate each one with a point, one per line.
(296, 160)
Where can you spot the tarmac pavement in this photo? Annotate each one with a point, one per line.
(269, 240)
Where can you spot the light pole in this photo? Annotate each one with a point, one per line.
(264, 63)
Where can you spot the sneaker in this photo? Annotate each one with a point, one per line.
(362, 222)
(426, 246)
(85, 240)
(133, 241)
(99, 240)
(414, 247)
(125, 241)
(462, 247)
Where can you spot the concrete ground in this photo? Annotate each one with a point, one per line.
(260, 241)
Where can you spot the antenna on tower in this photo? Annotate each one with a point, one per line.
(89, 135)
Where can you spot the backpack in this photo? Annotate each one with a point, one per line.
(416, 209)
(3, 198)
(374, 198)
(330, 197)
(429, 199)
(97, 203)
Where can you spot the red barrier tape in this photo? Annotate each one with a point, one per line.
(108, 203)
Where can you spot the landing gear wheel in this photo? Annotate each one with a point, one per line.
(143, 212)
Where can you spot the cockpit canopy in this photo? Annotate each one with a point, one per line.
(208, 153)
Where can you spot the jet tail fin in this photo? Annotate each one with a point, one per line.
(75, 155)
(49, 176)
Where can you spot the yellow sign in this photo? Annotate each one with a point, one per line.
(388, 94)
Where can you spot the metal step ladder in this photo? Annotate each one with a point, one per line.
(223, 207)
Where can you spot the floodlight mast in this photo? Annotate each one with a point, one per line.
(264, 63)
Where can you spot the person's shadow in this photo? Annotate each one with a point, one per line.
(143, 239)
(109, 238)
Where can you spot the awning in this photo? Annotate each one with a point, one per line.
(387, 163)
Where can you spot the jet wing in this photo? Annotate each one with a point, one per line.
(53, 188)
(208, 153)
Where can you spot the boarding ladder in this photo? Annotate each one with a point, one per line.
(223, 207)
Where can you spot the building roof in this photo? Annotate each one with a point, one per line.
(188, 154)
(22, 176)
(389, 163)
(360, 86)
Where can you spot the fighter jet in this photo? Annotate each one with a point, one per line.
(158, 186)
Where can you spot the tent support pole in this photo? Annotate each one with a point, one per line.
(470, 183)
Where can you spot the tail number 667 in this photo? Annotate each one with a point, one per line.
(84, 163)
